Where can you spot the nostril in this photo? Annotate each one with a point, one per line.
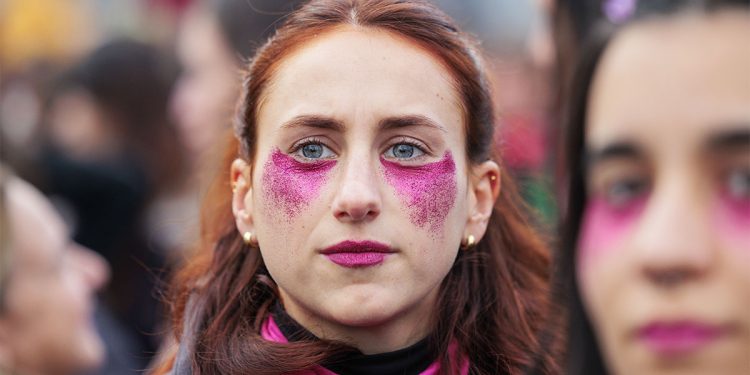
(356, 200)
(671, 277)
(357, 213)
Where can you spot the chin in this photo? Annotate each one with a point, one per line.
(369, 312)
(91, 353)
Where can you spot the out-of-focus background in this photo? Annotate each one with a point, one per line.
(111, 108)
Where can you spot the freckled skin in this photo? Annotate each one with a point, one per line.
(429, 191)
(290, 184)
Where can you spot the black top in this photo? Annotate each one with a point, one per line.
(408, 361)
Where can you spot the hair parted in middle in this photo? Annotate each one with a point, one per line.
(494, 301)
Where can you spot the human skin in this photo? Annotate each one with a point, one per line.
(664, 253)
(47, 324)
(357, 93)
(203, 98)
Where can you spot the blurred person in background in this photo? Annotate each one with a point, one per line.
(214, 40)
(47, 288)
(514, 36)
(109, 150)
(655, 258)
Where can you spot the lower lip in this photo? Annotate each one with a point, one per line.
(680, 339)
(356, 260)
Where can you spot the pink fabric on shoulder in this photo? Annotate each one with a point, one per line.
(271, 332)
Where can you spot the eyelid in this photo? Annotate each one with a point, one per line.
(601, 177)
(296, 146)
(313, 140)
(410, 141)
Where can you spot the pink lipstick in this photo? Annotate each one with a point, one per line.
(677, 338)
(355, 254)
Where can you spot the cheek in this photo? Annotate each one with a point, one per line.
(428, 191)
(603, 227)
(732, 222)
(291, 185)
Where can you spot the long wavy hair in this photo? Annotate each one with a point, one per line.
(492, 303)
(580, 350)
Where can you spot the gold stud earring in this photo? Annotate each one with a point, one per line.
(493, 178)
(247, 237)
(468, 243)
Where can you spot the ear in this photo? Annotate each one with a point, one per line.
(242, 198)
(484, 188)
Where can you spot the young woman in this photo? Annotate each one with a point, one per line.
(47, 288)
(363, 226)
(656, 256)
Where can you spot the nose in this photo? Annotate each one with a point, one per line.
(674, 243)
(93, 268)
(358, 197)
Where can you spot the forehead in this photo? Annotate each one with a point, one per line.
(38, 233)
(674, 79)
(352, 73)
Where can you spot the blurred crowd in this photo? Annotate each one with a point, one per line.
(112, 110)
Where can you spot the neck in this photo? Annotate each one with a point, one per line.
(403, 329)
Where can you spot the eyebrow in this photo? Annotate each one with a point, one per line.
(730, 139)
(615, 150)
(394, 122)
(314, 121)
(397, 122)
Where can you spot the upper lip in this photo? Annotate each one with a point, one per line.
(350, 246)
(697, 327)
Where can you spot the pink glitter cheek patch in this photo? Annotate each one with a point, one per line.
(603, 226)
(428, 190)
(732, 219)
(290, 184)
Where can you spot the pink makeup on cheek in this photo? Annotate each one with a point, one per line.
(291, 184)
(428, 190)
(732, 219)
(603, 226)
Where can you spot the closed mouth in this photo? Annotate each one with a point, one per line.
(356, 254)
(679, 337)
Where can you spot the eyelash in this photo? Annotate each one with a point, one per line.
(410, 142)
(314, 140)
(305, 142)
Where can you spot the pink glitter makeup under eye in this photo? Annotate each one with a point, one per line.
(732, 219)
(603, 225)
(290, 184)
(429, 190)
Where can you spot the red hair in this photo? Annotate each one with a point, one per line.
(493, 302)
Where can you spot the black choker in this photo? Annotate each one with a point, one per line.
(408, 361)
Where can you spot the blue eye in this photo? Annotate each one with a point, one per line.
(404, 151)
(739, 183)
(624, 191)
(314, 150)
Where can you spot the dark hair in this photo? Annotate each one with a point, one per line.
(245, 24)
(6, 242)
(582, 353)
(492, 303)
(131, 82)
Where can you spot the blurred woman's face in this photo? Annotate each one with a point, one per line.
(664, 250)
(46, 326)
(360, 193)
(205, 94)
